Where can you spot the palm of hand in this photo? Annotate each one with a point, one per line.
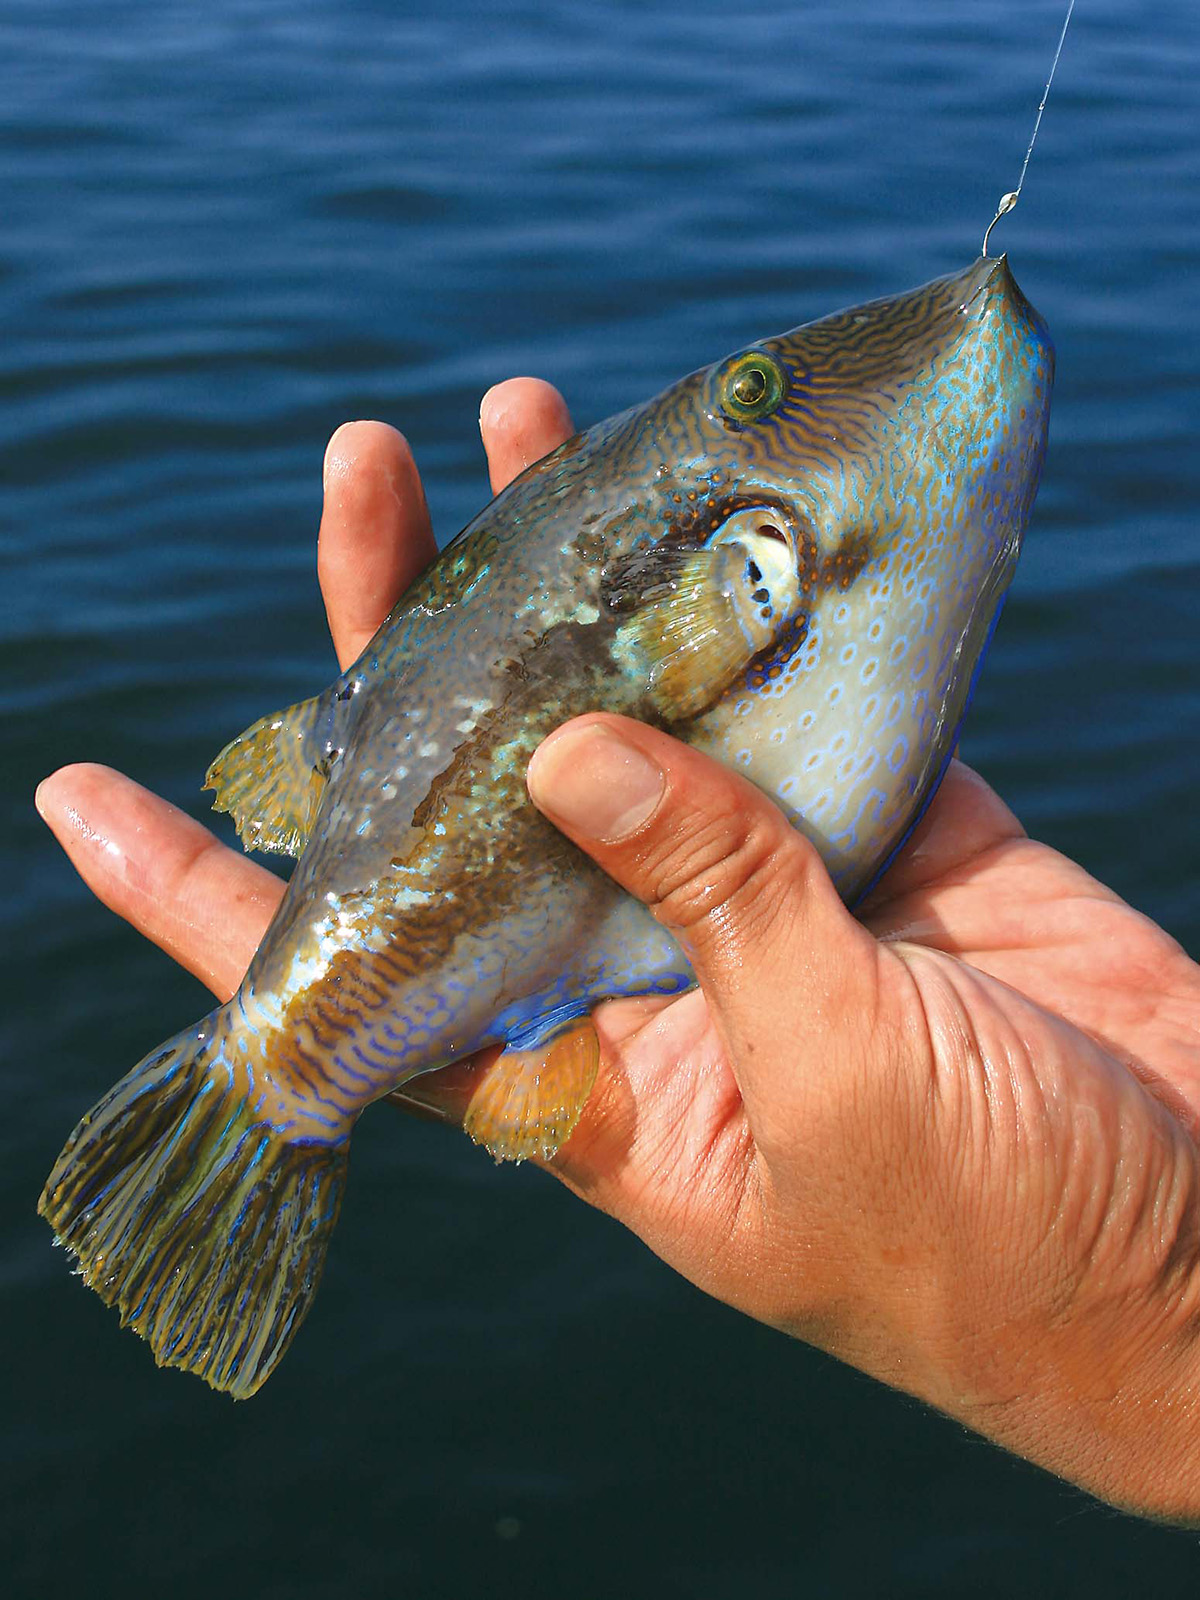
(973, 885)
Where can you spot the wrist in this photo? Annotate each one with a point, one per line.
(1101, 1387)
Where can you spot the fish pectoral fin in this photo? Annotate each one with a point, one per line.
(528, 1101)
(698, 617)
(270, 779)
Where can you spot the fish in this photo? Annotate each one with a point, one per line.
(793, 559)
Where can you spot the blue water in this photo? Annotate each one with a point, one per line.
(224, 229)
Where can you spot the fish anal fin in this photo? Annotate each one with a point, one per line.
(271, 778)
(528, 1101)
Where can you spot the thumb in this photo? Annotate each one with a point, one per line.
(718, 864)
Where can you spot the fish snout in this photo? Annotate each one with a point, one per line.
(1005, 357)
(1005, 343)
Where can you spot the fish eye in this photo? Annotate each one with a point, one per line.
(751, 385)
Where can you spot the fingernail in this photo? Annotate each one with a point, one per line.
(595, 782)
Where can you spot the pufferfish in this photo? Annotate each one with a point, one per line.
(793, 559)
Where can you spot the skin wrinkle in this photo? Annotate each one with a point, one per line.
(956, 1041)
(1096, 901)
(717, 876)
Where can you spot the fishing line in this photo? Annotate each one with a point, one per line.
(1009, 200)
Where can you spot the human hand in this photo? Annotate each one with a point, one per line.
(953, 1144)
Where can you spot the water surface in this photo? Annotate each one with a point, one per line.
(224, 230)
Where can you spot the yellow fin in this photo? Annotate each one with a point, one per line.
(270, 778)
(693, 640)
(700, 616)
(529, 1101)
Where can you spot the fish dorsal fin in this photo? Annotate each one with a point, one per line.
(270, 779)
(698, 617)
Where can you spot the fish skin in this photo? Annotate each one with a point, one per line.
(805, 594)
(907, 464)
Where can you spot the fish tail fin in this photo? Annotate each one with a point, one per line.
(201, 1218)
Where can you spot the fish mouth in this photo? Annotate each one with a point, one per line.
(986, 288)
(984, 273)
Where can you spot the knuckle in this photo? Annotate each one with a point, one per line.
(724, 866)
